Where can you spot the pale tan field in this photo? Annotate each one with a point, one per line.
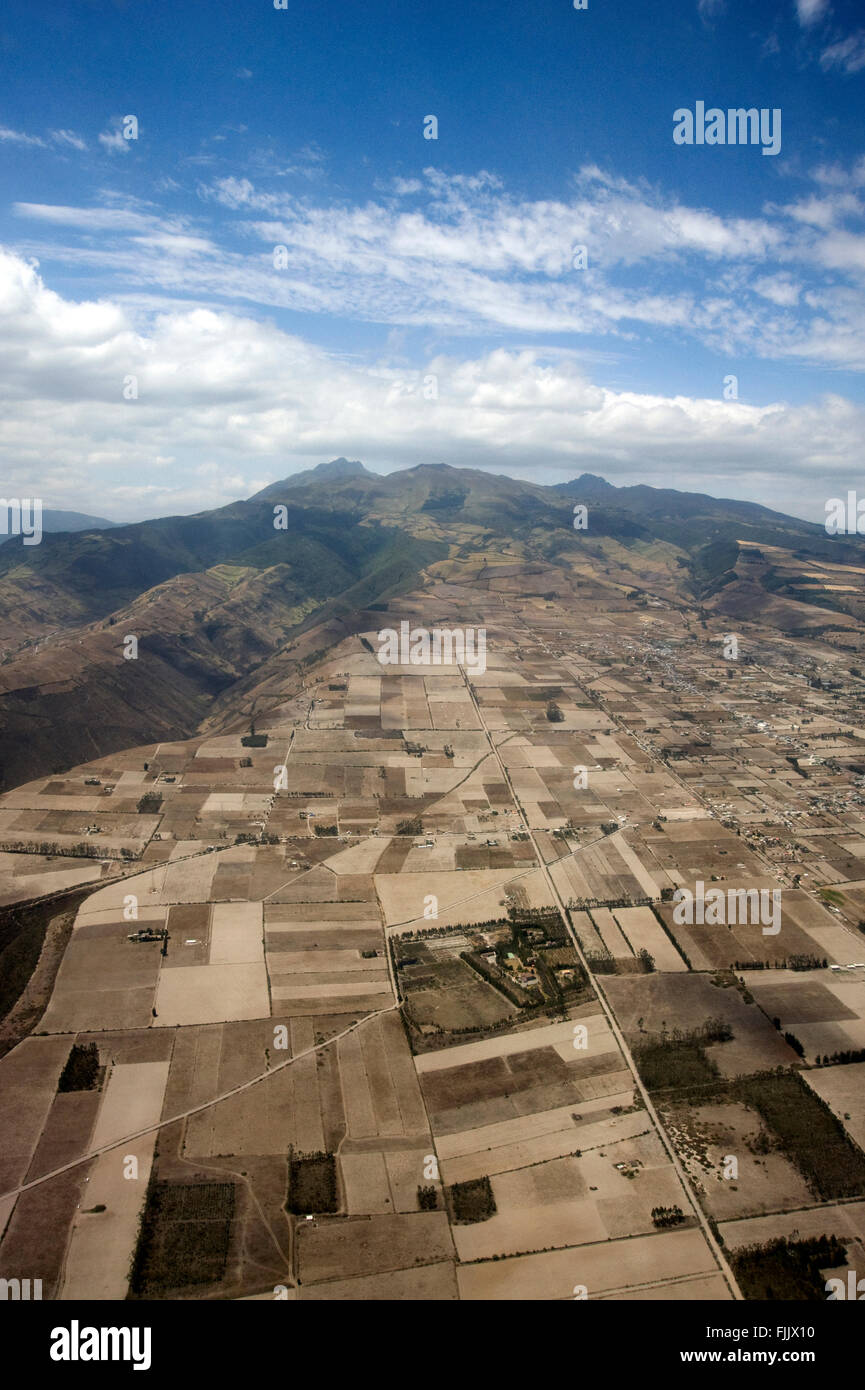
(211, 994)
(600, 1269)
(843, 1089)
(844, 1219)
(521, 753)
(610, 932)
(406, 1171)
(28, 1082)
(706, 1288)
(543, 1147)
(427, 1283)
(823, 1008)
(644, 932)
(535, 890)
(132, 1099)
(144, 916)
(553, 1226)
(314, 962)
(489, 1138)
(467, 895)
(342, 990)
(188, 881)
(239, 803)
(549, 1035)
(648, 884)
(17, 886)
(360, 858)
(236, 934)
(101, 1243)
(367, 1188)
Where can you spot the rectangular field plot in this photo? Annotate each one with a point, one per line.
(373, 1245)
(644, 932)
(603, 1269)
(423, 1283)
(211, 994)
(486, 1084)
(843, 1090)
(102, 1242)
(236, 934)
(105, 981)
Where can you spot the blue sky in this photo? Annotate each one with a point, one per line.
(427, 307)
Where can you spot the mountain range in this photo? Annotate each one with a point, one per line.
(227, 602)
(52, 520)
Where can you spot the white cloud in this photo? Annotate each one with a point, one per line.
(778, 289)
(68, 137)
(459, 256)
(174, 244)
(225, 400)
(811, 11)
(842, 250)
(17, 137)
(839, 176)
(826, 211)
(848, 54)
(231, 192)
(88, 219)
(113, 140)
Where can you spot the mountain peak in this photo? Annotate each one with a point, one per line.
(593, 481)
(334, 471)
(588, 484)
(337, 468)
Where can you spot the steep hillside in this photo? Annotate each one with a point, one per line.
(217, 600)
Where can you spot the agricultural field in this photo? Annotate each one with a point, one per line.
(843, 1090)
(385, 1007)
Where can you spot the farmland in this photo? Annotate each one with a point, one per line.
(458, 1048)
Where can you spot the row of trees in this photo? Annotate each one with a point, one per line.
(801, 961)
(84, 849)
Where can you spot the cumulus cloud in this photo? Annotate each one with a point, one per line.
(778, 289)
(113, 139)
(825, 211)
(223, 403)
(838, 176)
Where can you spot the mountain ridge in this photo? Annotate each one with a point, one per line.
(214, 596)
